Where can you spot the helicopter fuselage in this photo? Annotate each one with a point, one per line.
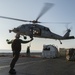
(36, 30)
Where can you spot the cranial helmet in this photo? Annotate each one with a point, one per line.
(17, 35)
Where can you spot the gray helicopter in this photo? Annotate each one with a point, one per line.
(34, 29)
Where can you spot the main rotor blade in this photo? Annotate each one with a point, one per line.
(57, 22)
(45, 9)
(14, 19)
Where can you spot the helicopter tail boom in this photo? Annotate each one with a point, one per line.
(70, 37)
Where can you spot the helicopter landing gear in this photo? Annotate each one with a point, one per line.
(60, 41)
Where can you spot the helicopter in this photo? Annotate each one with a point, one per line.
(34, 29)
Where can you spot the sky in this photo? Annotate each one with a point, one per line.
(62, 11)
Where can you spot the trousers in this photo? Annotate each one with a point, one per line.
(16, 55)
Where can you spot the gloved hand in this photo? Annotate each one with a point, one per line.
(7, 40)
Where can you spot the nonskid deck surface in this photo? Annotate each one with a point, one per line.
(38, 66)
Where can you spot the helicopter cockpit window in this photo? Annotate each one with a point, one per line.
(47, 29)
(22, 26)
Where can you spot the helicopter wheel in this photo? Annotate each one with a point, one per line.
(25, 37)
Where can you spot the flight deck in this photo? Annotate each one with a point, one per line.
(38, 66)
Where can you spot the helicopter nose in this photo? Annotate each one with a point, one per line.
(15, 30)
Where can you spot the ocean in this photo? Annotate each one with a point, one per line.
(22, 51)
(5, 53)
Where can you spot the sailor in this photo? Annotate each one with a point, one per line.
(16, 48)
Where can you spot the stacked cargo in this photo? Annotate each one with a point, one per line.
(62, 52)
(70, 54)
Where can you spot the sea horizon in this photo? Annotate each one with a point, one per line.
(22, 51)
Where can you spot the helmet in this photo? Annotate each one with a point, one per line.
(17, 35)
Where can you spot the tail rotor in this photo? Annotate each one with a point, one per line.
(68, 29)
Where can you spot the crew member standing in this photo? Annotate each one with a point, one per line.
(16, 48)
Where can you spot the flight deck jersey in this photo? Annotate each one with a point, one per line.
(16, 45)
